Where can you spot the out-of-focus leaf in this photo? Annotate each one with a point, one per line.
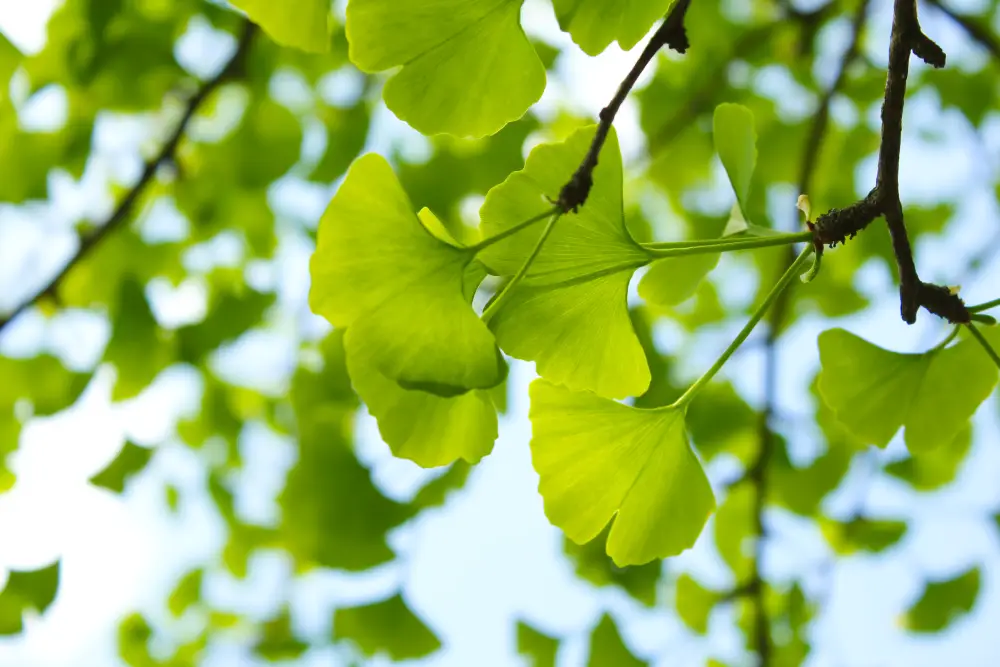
(944, 602)
(607, 647)
(537, 647)
(861, 534)
(734, 527)
(277, 641)
(303, 24)
(134, 634)
(694, 603)
(130, 461)
(927, 471)
(27, 590)
(137, 347)
(186, 593)
(387, 627)
(593, 564)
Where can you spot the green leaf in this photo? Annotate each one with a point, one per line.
(333, 515)
(570, 314)
(931, 470)
(186, 593)
(137, 348)
(874, 391)
(10, 59)
(467, 67)
(861, 534)
(607, 647)
(134, 634)
(27, 589)
(694, 603)
(734, 527)
(597, 458)
(594, 24)
(377, 270)
(539, 648)
(671, 281)
(277, 641)
(130, 461)
(388, 626)
(943, 602)
(736, 143)
(425, 428)
(592, 563)
(303, 24)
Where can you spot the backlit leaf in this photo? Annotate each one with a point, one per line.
(607, 647)
(303, 24)
(377, 270)
(594, 24)
(943, 602)
(130, 461)
(593, 564)
(387, 627)
(599, 459)
(875, 391)
(538, 648)
(570, 314)
(467, 67)
(861, 534)
(694, 603)
(277, 641)
(736, 143)
(27, 590)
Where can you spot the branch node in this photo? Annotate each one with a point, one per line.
(926, 49)
(840, 224)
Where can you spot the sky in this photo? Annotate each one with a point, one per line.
(489, 556)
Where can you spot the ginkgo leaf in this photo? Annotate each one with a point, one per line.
(861, 534)
(673, 280)
(187, 592)
(136, 347)
(425, 428)
(388, 626)
(874, 391)
(378, 271)
(467, 67)
(594, 24)
(570, 314)
(599, 459)
(607, 647)
(537, 647)
(303, 24)
(130, 460)
(24, 590)
(942, 602)
(695, 603)
(736, 143)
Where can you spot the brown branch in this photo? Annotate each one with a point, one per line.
(973, 27)
(838, 225)
(672, 34)
(89, 240)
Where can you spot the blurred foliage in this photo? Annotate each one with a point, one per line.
(302, 100)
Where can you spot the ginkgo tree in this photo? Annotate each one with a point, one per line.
(428, 300)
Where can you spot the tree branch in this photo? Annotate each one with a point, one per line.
(672, 34)
(89, 240)
(837, 225)
(973, 27)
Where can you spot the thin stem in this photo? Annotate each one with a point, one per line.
(500, 236)
(680, 249)
(508, 289)
(782, 283)
(948, 339)
(984, 306)
(694, 243)
(985, 343)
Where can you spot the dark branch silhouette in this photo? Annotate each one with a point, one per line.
(89, 240)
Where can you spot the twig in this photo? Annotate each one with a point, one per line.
(838, 225)
(972, 26)
(757, 475)
(672, 34)
(89, 240)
